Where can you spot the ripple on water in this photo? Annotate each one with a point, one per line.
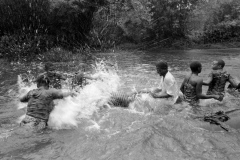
(148, 130)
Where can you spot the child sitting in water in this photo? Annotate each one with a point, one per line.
(218, 79)
(192, 86)
(54, 77)
(168, 87)
(40, 103)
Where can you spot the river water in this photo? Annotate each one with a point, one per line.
(80, 129)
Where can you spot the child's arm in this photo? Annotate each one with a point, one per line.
(167, 92)
(182, 85)
(58, 94)
(200, 95)
(160, 95)
(25, 97)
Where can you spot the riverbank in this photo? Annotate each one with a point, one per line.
(180, 46)
(59, 54)
(225, 45)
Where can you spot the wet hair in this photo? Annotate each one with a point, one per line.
(42, 80)
(195, 65)
(221, 63)
(48, 66)
(162, 65)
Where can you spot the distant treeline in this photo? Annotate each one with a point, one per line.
(31, 27)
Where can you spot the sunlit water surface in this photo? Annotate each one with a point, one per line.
(81, 129)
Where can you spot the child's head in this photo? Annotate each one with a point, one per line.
(42, 81)
(196, 67)
(162, 68)
(49, 66)
(218, 64)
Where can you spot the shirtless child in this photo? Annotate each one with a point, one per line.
(192, 86)
(218, 79)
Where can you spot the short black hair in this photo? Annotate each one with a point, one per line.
(221, 63)
(195, 65)
(42, 80)
(162, 65)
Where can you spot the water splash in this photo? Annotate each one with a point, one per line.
(25, 84)
(69, 112)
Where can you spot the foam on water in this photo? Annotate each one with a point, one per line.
(25, 84)
(69, 111)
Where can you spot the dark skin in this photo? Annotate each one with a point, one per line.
(218, 68)
(157, 92)
(197, 83)
(46, 87)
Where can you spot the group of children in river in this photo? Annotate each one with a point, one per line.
(40, 100)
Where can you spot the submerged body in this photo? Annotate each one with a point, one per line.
(40, 103)
(190, 94)
(168, 85)
(192, 86)
(219, 80)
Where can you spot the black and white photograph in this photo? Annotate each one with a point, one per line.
(119, 79)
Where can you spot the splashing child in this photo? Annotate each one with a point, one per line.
(40, 103)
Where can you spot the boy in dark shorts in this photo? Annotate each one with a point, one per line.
(218, 79)
(40, 103)
(54, 77)
(192, 86)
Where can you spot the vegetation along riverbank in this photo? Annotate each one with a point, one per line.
(36, 29)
